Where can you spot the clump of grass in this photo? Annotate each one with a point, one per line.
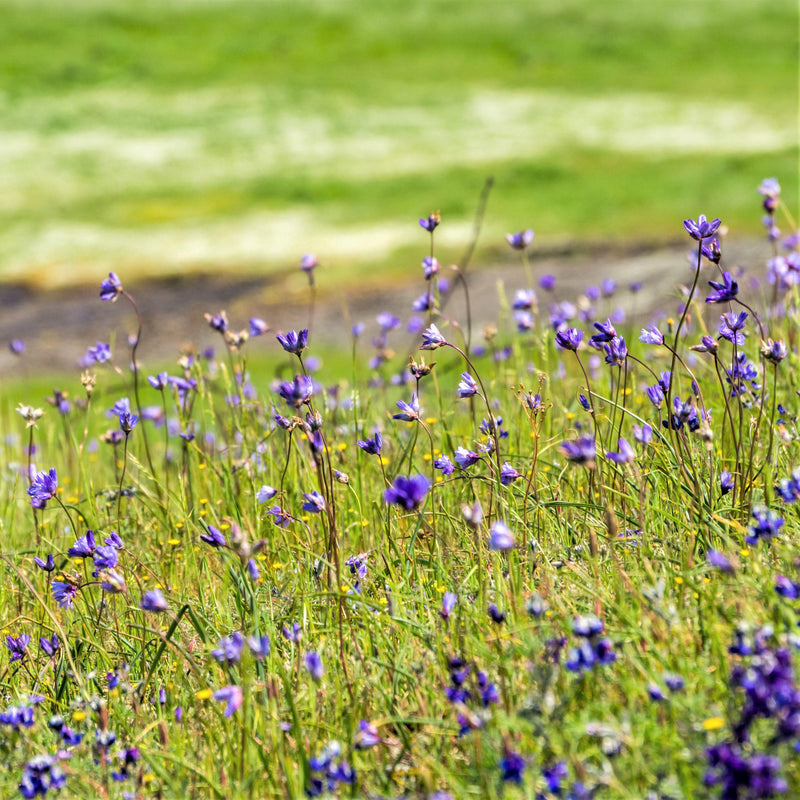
(565, 568)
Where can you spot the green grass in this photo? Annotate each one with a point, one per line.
(164, 137)
(629, 544)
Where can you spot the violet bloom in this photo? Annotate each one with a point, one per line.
(467, 387)
(774, 352)
(229, 650)
(625, 454)
(294, 633)
(548, 282)
(367, 735)
(521, 240)
(508, 474)
(387, 321)
(731, 327)
(154, 601)
(643, 434)
(616, 351)
(260, 646)
(18, 647)
(298, 391)
(280, 517)
(445, 465)
(569, 339)
(512, 765)
(218, 322)
(726, 482)
(258, 327)
(580, 451)
(712, 251)
(409, 412)
(214, 537)
(725, 291)
(64, 593)
(16, 346)
(767, 525)
(105, 557)
(110, 288)
(49, 646)
(294, 342)
(702, 229)
(606, 332)
(99, 354)
(500, 537)
(127, 422)
(449, 600)
(524, 300)
(44, 487)
(651, 335)
(313, 663)
(315, 502)
(48, 565)
(407, 492)
(431, 223)
(158, 381)
(372, 446)
(719, 561)
(265, 493)
(231, 696)
(770, 187)
(430, 266)
(432, 339)
(308, 262)
(466, 458)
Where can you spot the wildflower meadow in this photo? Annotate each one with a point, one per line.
(556, 558)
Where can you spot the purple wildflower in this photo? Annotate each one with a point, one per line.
(625, 454)
(467, 387)
(214, 537)
(16, 347)
(258, 327)
(372, 446)
(466, 458)
(294, 341)
(580, 451)
(702, 229)
(445, 465)
(260, 646)
(521, 240)
(548, 282)
(64, 593)
(229, 650)
(431, 222)
(308, 262)
(154, 601)
(651, 335)
(18, 647)
(408, 412)
(500, 537)
(407, 492)
(569, 339)
(449, 600)
(298, 391)
(367, 735)
(512, 765)
(313, 663)
(49, 646)
(508, 474)
(432, 338)
(430, 267)
(315, 502)
(294, 633)
(44, 486)
(265, 493)
(725, 291)
(231, 696)
(48, 565)
(110, 288)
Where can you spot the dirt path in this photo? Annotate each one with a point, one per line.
(58, 326)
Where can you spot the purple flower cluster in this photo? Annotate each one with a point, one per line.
(593, 649)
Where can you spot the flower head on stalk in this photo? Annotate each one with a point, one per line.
(407, 492)
(111, 287)
(580, 451)
(44, 487)
(432, 338)
(431, 222)
(725, 291)
(308, 263)
(569, 339)
(409, 412)
(702, 229)
(293, 341)
(521, 240)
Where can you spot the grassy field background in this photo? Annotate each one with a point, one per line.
(160, 138)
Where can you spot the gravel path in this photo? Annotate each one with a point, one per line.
(58, 326)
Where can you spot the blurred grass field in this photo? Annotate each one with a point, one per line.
(157, 138)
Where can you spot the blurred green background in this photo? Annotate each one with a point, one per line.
(234, 135)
